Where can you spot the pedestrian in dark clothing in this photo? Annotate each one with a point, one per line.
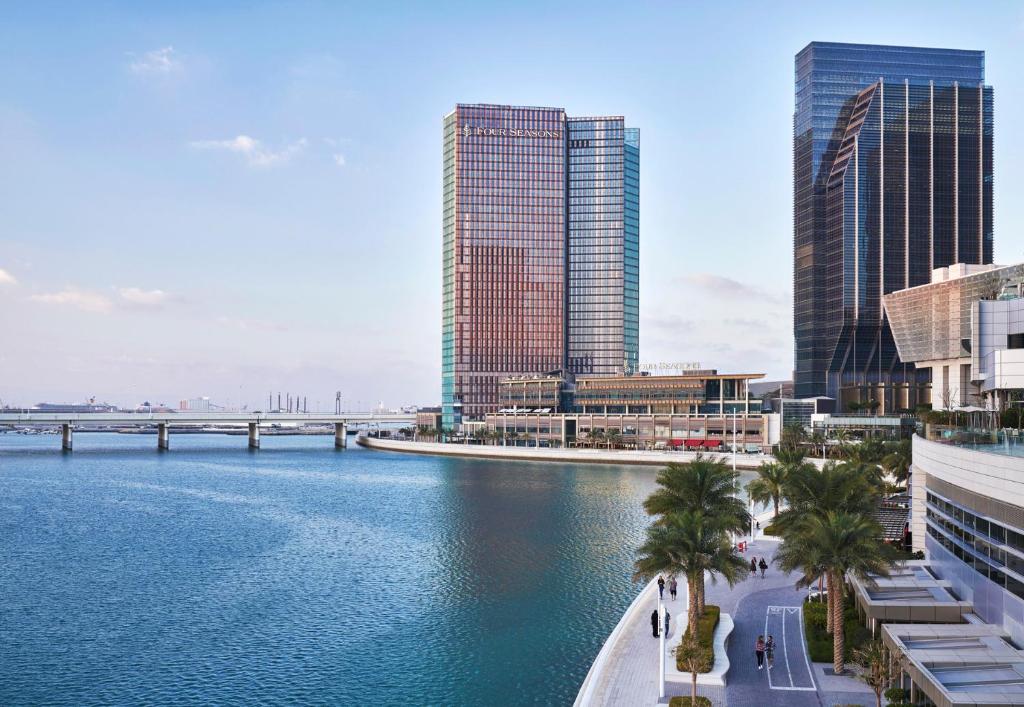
(759, 652)
(763, 565)
(654, 623)
(672, 586)
(661, 587)
(758, 525)
(769, 651)
(668, 620)
(753, 566)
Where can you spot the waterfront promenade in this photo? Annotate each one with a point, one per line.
(579, 456)
(758, 606)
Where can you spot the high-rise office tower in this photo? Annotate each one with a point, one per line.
(541, 245)
(892, 177)
(604, 247)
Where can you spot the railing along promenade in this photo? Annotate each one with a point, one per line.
(163, 421)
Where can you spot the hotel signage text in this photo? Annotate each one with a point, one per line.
(467, 131)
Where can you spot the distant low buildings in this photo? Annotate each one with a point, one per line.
(195, 405)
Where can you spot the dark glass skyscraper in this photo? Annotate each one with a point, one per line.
(541, 246)
(892, 172)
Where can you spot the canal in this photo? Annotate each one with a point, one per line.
(302, 574)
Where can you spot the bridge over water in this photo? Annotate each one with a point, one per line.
(163, 421)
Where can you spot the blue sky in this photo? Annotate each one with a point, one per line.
(235, 200)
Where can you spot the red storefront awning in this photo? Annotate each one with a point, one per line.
(712, 443)
(690, 443)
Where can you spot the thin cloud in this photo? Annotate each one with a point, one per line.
(339, 159)
(251, 324)
(6, 278)
(158, 62)
(142, 298)
(84, 300)
(255, 152)
(722, 286)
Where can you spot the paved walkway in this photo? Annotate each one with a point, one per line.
(758, 606)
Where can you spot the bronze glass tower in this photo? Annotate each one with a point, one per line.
(540, 253)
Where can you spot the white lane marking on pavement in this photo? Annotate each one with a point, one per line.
(785, 651)
(803, 641)
(784, 611)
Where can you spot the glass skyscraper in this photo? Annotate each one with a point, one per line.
(541, 245)
(604, 247)
(892, 158)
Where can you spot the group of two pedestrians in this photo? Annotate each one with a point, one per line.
(673, 587)
(754, 565)
(765, 650)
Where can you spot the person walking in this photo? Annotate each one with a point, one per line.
(753, 566)
(654, 623)
(764, 566)
(661, 587)
(672, 586)
(769, 651)
(759, 652)
(668, 620)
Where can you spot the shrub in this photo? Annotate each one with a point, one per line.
(705, 636)
(897, 695)
(769, 529)
(685, 702)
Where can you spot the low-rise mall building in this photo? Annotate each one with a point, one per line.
(967, 327)
(701, 409)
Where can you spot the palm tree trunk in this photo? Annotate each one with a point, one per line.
(775, 501)
(693, 688)
(838, 639)
(691, 608)
(828, 598)
(700, 595)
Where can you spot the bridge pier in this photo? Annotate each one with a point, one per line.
(254, 435)
(340, 435)
(163, 436)
(66, 437)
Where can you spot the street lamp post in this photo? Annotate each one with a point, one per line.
(661, 648)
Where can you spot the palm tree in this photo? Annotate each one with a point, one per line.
(897, 461)
(595, 436)
(810, 491)
(703, 485)
(878, 672)
(769, 484)
(793, 436)
(838, 543)
(689, 544)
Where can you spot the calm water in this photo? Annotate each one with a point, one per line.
(299, 574)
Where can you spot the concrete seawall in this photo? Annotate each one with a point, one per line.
(543, 454)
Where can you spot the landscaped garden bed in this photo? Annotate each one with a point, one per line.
(706, 637)
(819, 641)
